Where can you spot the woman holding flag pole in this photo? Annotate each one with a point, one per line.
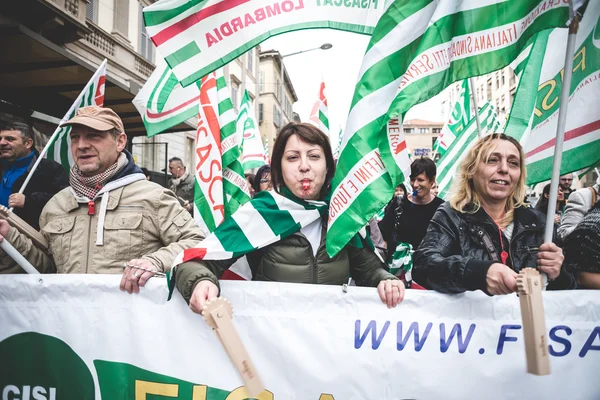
(485, 234)
(282, 232)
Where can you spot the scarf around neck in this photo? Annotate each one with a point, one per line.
(89, 186)
(176, 182)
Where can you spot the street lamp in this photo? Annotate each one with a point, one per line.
(324, 46)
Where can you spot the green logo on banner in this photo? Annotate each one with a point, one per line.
(36, 366)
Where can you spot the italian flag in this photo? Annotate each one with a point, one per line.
(59, 147)
(418, 48)
(534, 116)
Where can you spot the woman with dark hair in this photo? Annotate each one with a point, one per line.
(485, 234)
(542, 204)
(406, 218)
(283, 231)
(262, 179)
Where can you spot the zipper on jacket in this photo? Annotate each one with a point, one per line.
(510, 247)
(87, 250)
(313, 260)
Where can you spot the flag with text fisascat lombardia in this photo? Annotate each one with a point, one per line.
(196, 37)
(534, 115)
(247, 128)
(92, 94)
(459, 118)
(319, 113)
(417, 49)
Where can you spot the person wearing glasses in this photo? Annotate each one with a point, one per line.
(565, 182)
(262, 180)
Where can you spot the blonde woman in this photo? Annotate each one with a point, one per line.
(484, 235)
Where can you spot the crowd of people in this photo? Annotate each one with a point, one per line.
(106, 216)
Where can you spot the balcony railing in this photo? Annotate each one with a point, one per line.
(101, 40)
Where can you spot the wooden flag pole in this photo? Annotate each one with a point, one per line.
(19, 224)
(218, 313)
(529, 286)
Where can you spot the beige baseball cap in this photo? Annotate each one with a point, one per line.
(98, 118)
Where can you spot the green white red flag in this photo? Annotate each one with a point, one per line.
(534, 115)
(417, 49)
(59, 145)
(163, 103)
(247, 128)
(221, 187)
(319, 114)
(459, 118)
(196, 37)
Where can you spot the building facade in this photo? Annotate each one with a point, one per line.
(420, 136)
(276, 96)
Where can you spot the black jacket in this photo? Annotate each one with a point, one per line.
(49, 178)
(459, 248)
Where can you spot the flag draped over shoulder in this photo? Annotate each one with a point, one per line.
(534, 115)
(417, 49)
(459, 118)
(268, 218)
(252, 145)
(198, 36)
(163, 103)
(448, 164)
(92, 94)
(319, 114)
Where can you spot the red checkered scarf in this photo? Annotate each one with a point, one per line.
(89, 186)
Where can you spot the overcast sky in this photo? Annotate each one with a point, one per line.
(339, 68)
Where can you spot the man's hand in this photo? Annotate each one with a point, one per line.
(500, 279)
(550, 259)
(16, 200)
(202, 294)
(188, 206)
(134, 278)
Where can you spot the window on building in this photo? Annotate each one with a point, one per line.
(235, 88)
(91, 11)
(121, 18)
(276, 117)
(146, 45)
(423, 130)
(261, 82)
(251, 61)
(260, 113)
(502, 79)
(409, 130)
(436, 130)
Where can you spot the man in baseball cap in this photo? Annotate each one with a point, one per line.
(110, 216)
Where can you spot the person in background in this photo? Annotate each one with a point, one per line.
(582, 250)
(302, 168)
(400, 190)
(565, 182)
(580, 202)
(542, 204)
(485, 235)
(435, 189)
(146, 173)
(250, 180)
(262, 179)
(17, 157)
(111, 220)
(406, 218)
(181, 183)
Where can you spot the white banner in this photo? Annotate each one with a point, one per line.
(79, 337)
